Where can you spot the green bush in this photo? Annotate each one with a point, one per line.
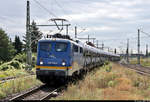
(0, 67)
(10, 65)
(106, 63)
(18, 62)
(20, 57)
(23, 66)
(1, 62)
(5, 66)
(15, 64)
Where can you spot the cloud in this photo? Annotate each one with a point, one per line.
(103, 19)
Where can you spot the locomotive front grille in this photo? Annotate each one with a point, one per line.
(51, 72)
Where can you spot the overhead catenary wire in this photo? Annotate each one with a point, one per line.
(62, 8)
(47, 10)
(124, 38)
(146, 33)
(50, 13)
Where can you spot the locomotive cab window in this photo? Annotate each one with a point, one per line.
(45, 47)
(75, 48)
(61, 47)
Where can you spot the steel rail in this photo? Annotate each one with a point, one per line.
(32, 94)
(20, 96)
(137, 69)
(51, 94)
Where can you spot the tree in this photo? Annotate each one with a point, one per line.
(18, 45)
(7, 50)
(35, 36)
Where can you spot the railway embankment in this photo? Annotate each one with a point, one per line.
(109, 82)
(14, 79)
(13, 87)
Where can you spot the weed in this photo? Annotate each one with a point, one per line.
(124, 84)
(106, 63)
(112, 83)
(117, 84)
(143, 61)
(17, 85)
(13, 73)
(2, 94)
(108, 68)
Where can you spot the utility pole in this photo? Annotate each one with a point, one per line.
(146, 50)
(108, 49)
(131, 51)
(127, 50)
(102, 46)
(88, 38)
(28, 35)
(93, 41)
(67, 30)
(75, 31)
(97, 43)
(115, 51)
(138, 58)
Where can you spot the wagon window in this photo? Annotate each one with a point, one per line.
(81, 50)
(75, 47)
(61, 47)
(45, 47)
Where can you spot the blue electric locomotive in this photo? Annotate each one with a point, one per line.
(58, 59)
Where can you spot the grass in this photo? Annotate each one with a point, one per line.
(144, 61)
(117, 83)
(16, 68)
(13, 73)
(17, 85)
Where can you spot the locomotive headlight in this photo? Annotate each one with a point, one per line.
(41, 62)
(63, 63)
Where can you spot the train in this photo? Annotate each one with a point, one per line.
(59, 59)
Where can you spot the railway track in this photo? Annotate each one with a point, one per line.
(138, 68)
(42, 92)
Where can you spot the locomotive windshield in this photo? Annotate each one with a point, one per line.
(61, 47)
(45, 47)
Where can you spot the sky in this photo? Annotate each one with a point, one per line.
(109, 21)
